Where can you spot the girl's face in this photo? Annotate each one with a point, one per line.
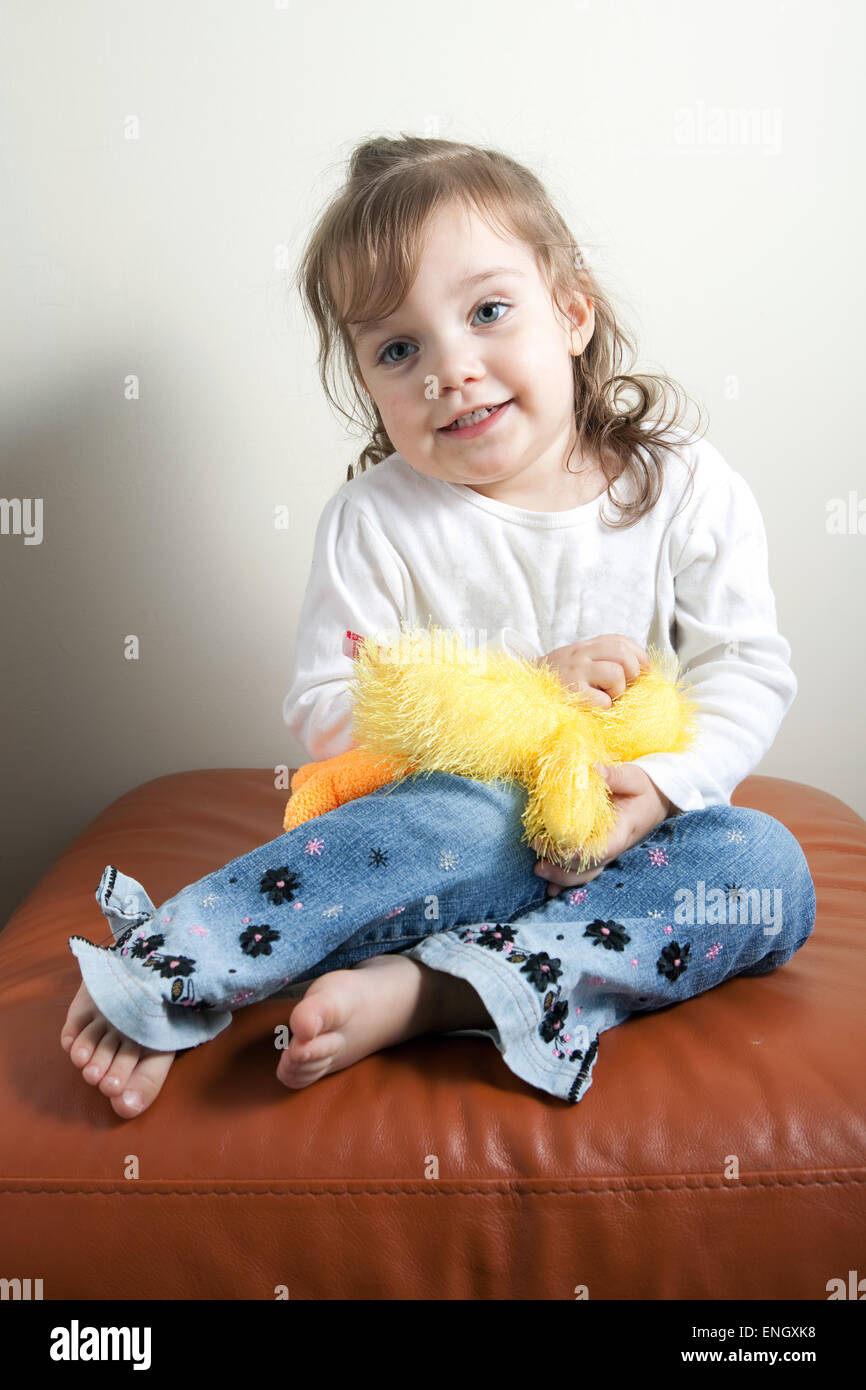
(465, 337)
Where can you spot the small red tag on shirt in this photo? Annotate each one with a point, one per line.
(351, 641)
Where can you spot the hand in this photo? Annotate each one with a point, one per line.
(599, 667)
(640, 807)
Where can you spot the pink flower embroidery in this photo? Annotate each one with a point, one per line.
(314, 847)
(658, 856)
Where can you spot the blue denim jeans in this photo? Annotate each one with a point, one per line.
(435, 867)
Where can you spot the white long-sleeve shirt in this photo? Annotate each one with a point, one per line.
(690, 577)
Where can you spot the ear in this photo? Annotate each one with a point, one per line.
(582, 315)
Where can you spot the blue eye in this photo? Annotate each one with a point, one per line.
(486, 304)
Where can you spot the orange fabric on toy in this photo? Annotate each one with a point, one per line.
(321, 787)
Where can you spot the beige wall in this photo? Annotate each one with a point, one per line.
(707, 156)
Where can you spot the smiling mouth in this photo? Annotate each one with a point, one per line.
(474, 417)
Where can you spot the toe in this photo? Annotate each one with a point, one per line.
(296, 1072)
(143, 1084)
(86, 1042)
(103, 1056)
(81, 1011)
(323, 1048)
(117, 1076)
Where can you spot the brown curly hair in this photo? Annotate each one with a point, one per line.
(361, 258)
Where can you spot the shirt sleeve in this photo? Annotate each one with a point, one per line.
(357, 583)
(729, 648)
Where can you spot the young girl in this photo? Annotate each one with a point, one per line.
(486, 356)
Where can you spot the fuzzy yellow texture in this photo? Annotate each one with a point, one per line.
(429, 703)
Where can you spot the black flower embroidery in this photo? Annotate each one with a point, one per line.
(541, 970)
(144, 946)
(611, 935)
(169, 965)
(673, 960)
(280, 885)
(378, 859)
(554, 1017)
(494, 937)
(256, 941)
(551, 1028)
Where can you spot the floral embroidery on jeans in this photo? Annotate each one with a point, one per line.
(176, 968)
(169, 966)
(673, 960)
(611, 935)
(256, 941)
(543, 971)
(145, 946)
(280, 885)
(494, 937)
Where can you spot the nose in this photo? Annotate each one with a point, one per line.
(456, 368)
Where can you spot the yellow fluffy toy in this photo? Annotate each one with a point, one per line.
(428, 704)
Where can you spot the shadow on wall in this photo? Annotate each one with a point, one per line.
(112, 489)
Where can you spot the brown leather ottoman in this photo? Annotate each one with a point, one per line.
(231, 1185)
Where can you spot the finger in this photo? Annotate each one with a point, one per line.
(588, 877)
(594, 698)
(629, 654)
(561, 878)
(609, 676)
(634, 655)
(624, 779)
(575, 881)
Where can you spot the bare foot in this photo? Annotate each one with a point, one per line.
(108, 1059)
(347, 1014)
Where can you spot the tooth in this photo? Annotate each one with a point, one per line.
(474, 418)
